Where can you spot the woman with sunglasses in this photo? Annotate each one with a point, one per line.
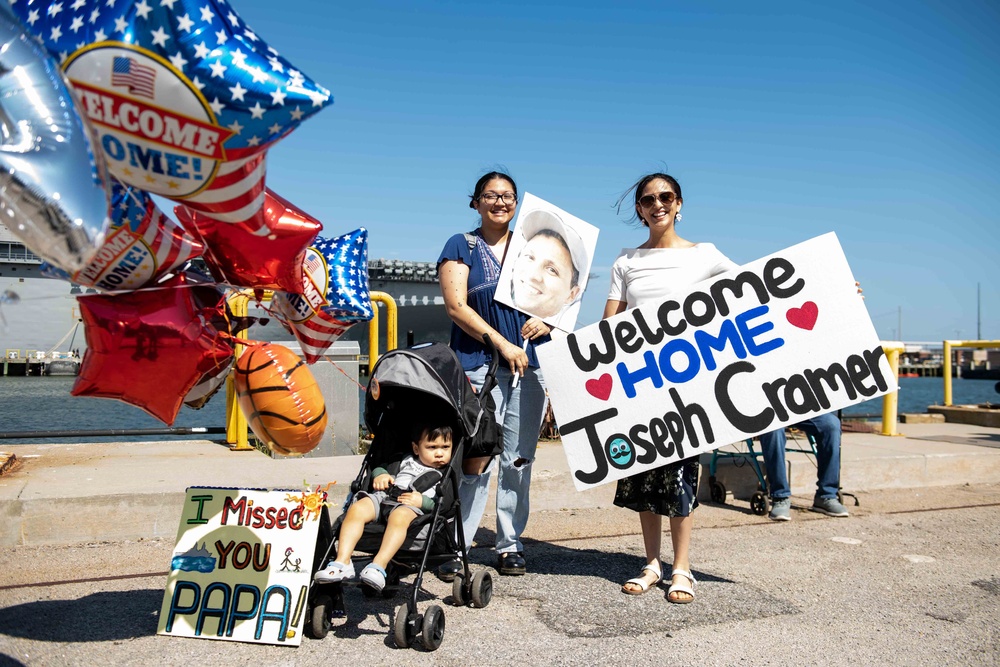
(468, 270)
(665, 263)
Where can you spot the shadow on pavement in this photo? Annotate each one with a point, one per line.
(586, 599)
(99, 617)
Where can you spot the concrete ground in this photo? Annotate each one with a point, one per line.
(911, 578)
(65, 494)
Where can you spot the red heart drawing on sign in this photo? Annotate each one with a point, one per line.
(601, 387)
(804, 317)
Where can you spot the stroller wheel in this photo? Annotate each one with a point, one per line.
(482, 588)
(432, 633)
(758, 503)
(718, 491)
(404, 629)
(319, 620)
(458, 594)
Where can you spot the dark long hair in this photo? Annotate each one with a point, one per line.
(640, 185)
(486, 178)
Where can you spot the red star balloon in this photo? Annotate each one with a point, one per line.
(149, 348)
(267, 259)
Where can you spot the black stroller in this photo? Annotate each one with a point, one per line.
(405, 387)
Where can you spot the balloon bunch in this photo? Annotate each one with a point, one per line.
(103, 106)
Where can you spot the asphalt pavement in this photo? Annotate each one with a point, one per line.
(910, 578)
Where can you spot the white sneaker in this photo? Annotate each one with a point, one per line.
(334, 572)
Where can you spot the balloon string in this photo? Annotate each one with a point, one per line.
(347, 375)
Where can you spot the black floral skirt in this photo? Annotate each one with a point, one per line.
(671, 490)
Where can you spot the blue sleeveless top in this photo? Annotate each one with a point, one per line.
(484, 272)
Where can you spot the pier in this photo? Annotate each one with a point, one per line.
(15, 365)
(34, 363)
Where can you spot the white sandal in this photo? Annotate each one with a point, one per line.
(681, 588)
(641, 583)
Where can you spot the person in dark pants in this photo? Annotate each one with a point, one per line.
(826, 431)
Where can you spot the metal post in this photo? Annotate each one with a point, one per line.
(947, 372)
(373, 336)
(890, 402)
(236, 421)
(392, 322)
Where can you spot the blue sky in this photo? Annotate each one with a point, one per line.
(781, 120)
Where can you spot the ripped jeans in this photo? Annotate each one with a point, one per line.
(519, 411)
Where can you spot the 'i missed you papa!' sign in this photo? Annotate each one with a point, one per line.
(774, 342)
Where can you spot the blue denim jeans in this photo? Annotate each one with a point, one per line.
(519, 410)
(826, 430)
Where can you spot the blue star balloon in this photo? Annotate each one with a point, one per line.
(184, 95)
(336, 295)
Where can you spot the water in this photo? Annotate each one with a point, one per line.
(45, 404)
(915, 394)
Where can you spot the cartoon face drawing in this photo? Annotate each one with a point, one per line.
(620, 453)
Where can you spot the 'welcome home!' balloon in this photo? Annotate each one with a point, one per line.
(184, 95)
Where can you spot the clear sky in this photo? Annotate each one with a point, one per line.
(781, 120)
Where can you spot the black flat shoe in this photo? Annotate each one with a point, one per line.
(512, 563)
(448, 571)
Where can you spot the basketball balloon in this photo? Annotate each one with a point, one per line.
(280, 398)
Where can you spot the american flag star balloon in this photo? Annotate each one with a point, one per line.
(185, 97)
(142, 245)
(336, 294)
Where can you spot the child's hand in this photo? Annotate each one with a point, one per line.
(383, 482)
(411, 498)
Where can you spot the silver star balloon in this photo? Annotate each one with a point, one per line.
(52, 188)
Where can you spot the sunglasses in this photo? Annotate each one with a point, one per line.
(666, 198)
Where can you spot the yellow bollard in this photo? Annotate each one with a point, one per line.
(890, 402)
(236, 421)
(947, 371)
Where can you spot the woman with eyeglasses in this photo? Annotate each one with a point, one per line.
(468, 270)
(665, 263)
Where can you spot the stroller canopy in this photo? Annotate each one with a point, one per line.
(431, 368)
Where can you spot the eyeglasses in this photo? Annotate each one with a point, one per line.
(666, 198)
(491, 198)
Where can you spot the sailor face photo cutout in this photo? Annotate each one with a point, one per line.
(550, 264)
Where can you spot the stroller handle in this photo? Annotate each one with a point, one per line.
(491, 374)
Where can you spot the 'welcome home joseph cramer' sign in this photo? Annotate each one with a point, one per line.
(774, 342)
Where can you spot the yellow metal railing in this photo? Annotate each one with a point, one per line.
(236, 421)
(390, 327)
(949, 345)
(890, 402)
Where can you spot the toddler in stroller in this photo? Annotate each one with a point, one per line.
(404, 506)
(395, 501)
